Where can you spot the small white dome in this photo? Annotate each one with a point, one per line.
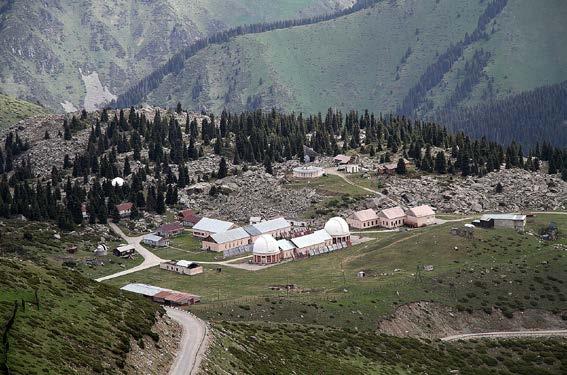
(101, 249)
(266, 245)
(118, 181)
(337, 227)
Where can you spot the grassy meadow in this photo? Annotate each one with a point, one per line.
(499, 268)
(13, 110)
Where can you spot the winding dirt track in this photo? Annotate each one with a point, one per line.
(500, 335)
(193, 344)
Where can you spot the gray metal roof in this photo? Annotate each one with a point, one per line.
(315, 238)
(144, 289)
(152, 237)
(252, 230)
(286, 245)
(231, 235)
(513, 217)
(272, 225)
(212, 225)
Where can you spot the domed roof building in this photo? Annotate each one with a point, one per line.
(266, 250)
(118, 181)
(337, 228)
(101, 250)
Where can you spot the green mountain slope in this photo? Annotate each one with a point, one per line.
(13, 110)
(373, 57)
(74, 329)
(80, 53)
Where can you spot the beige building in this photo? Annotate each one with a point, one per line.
(420, 216)
(223, 241)
(182, 267)
(363, 219)
(392, 217)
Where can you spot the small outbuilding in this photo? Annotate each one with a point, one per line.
(124, 250)
(182, 267)
(124, 209)
(188, 218)
(510, 221)
(155, 240)
(170, 230)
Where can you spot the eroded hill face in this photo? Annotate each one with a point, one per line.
(75, 54)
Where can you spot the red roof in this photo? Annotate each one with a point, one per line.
(177, 297)
(189, 216)
(170, 227)
(124, 206)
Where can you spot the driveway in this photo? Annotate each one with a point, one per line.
(150, 259)
(193, 345)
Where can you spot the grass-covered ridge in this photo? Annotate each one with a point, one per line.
(13, 110)
(80, 326)
(371, 59)
(302, 349)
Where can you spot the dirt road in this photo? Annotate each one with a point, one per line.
(500, 335)
(193, 345)
(150, 259)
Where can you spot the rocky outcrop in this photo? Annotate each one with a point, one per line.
(522, 190)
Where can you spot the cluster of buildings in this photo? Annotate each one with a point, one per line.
(162, 295)
(392, 218)
(334, 236)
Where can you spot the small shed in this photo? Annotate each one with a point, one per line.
(361, 274)
(124, 250)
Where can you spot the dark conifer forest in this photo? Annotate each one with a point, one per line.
(83, 182)
(530, 117)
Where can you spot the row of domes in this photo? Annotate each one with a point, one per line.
(267, 245)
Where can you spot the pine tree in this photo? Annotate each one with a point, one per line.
(126, 171)
(268, 165)
(440, 163)
(401, 167)
(223, 169)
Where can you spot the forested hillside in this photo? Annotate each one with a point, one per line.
(72, 54)
(414, 57)
(535, 116)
